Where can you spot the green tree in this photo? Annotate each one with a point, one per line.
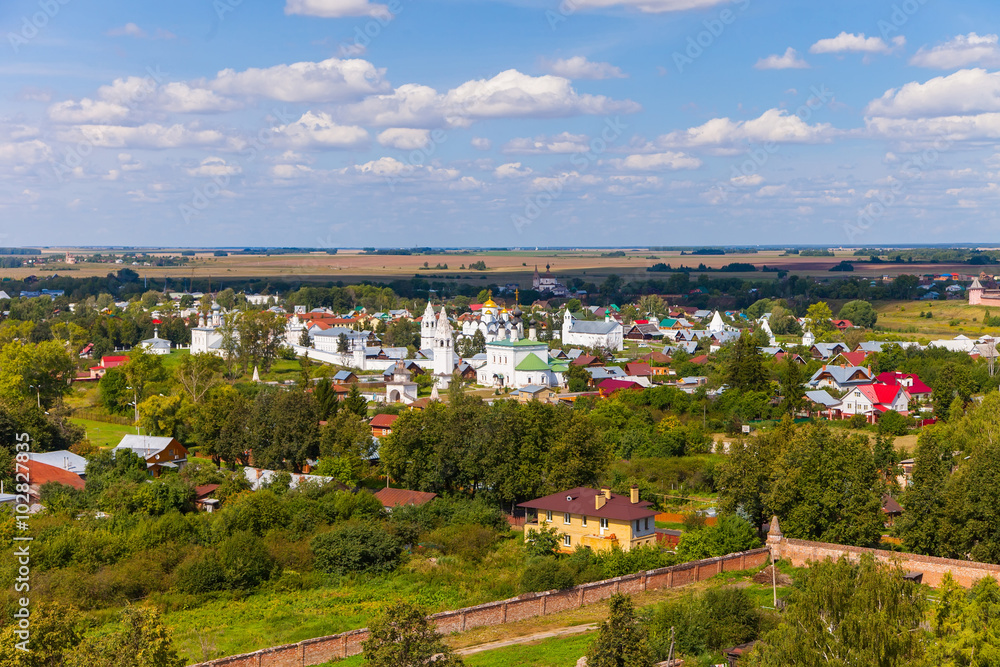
(731, 534)
(141, 640)
(403, 637)
(578, 457)
(357, 547)
(792, 391)
(860, 313)
(198, 373)
(819, 315)
(342, 344)
(304, 339)
(355, 402)
(54, 635)
(826, 487)
(621, 640)
(141, 370)
(577, 378)
(745, 366)
(847, 614)
(226, 298)
(966, 624)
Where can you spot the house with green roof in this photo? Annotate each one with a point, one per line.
(520, 363)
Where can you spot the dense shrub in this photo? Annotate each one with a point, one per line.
(201, 574)
(730, 535)
(716, 619)
(470, 542)
(546, 574)
(357, 547)
(245, 561)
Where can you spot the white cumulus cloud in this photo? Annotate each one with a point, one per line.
(790, 60)
(215, 166)
(405, 138)
(318, 130)
(331, 80)
(847, 42)
(963, 50)
(657, 161)
(562, 143)
(578, 67)
(964, 92)
(774, 125)
(510, 94)
(512, 170)
(332, 9)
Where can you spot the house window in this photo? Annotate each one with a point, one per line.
(583, 521)
(566, 541)
(647, 523)
(567, 518)
(637, 525)
(604, 523)
(548, 515)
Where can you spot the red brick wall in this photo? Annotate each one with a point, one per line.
(966, 573)
(324, 649)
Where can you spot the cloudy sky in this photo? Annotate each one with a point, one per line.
(345, 123)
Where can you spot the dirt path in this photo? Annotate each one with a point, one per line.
(527, 639)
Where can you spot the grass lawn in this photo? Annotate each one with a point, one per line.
(554, 652)
(103, 434)
(949, 318)
(224, 626)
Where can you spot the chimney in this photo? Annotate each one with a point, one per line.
(607, 492)
(599, 501)
(634, 494)
(66, 463)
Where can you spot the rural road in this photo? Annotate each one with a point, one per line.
(526, 639)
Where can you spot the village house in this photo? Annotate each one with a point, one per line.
(607, 334)
(392, 498)
(382, 424)
(594, 518)
(158, 452)
(840, 378)
(874, 400)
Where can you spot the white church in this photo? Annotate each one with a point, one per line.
(609, 333)
(437, 342)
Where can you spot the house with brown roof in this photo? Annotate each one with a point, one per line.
(391, 498)
(203, 499)
(638, 369)
(594, 518)
(382, 424)
(40, 474)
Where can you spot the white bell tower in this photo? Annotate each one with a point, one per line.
(427, 328)
(444, 350)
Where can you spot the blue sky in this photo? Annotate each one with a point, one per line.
(521, 123)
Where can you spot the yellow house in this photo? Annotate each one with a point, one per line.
(595, 518)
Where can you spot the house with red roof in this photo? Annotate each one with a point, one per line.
(856, 358)
(842, 325)
(382, 424)
(107, 363)
(40, 474)
(610, 386)
(874, 400)
(914, 386)
(395, 497)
